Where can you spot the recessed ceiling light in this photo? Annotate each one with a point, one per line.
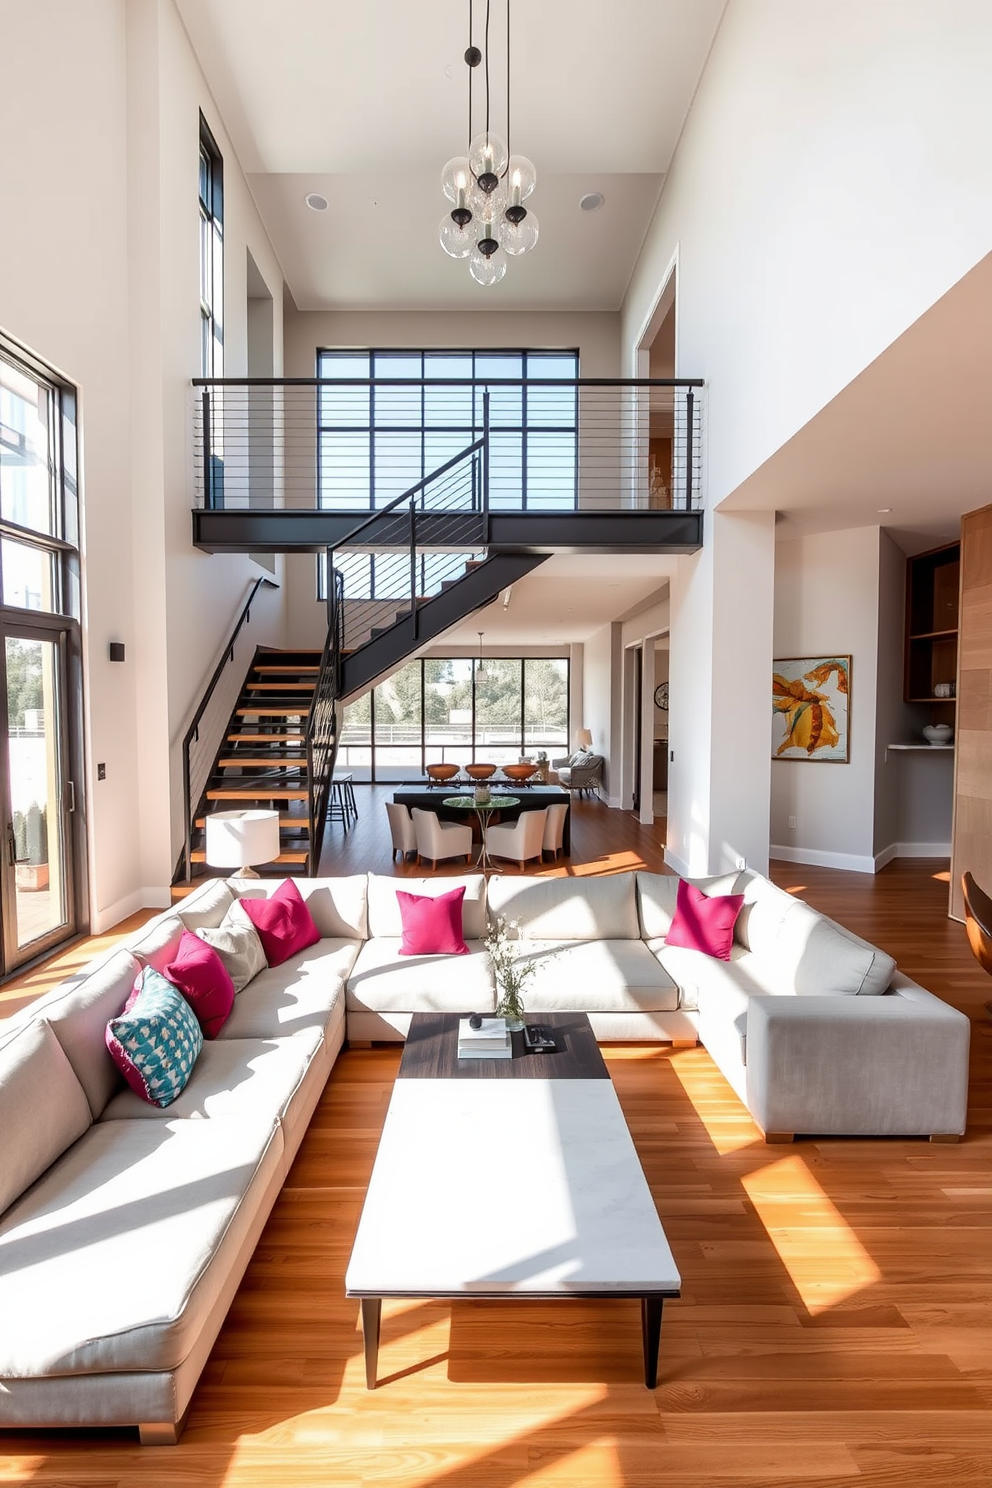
(316, 202)
(592, 201)
(881, 510)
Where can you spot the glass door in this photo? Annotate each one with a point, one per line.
(36, 873)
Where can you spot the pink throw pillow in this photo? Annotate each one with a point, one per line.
(204, 981)
(285, 926)
(703, 922)
(432, 925)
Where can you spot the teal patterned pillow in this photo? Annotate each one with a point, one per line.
(155, 1041)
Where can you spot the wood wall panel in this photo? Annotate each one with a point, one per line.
(972, 834)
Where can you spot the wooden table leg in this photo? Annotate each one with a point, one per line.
(651, 1331)
(371, 1318)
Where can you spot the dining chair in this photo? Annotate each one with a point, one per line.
(554, 830)
(401, 829)
(437, 840)
(978, 921)
(520, 840)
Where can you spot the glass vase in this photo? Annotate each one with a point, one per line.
(511, 1008)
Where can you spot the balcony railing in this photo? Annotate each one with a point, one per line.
(348, 444)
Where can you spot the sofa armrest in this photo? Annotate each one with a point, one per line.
(858, 1066)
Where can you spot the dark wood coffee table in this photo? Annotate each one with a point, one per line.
(516, 1179)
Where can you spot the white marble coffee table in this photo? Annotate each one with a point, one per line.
(509, 1188)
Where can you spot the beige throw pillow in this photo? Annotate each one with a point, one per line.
(237, 944)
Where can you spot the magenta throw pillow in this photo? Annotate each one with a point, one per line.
(704, 922)
(285, 926)
(204, 981)
(432, 925)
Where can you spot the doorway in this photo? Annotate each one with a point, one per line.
(36, 878)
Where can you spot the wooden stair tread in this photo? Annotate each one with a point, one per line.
(286, 669)
(300, 823)
(243, 761)
(279, 687)
(266, 738)
(264, 793)
(260, 710)
(284, 857)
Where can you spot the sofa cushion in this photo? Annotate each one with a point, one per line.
(567, 908)
(285, 926)
(432, 923)
(657, 896)
(763, 914)
(206, 906)
(385, 981)
(704, 922)
(237, 944)
(43, 1107)
(155, 1040)
(301, 993)
(690, 969)
(204, 981)
(79, 1011)
(812, 956)
(338, 906)
(384, 910)
(233, 1077)
(157, 942)
(127, 1191)
(595, 976)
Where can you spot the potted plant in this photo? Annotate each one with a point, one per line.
(510, 972)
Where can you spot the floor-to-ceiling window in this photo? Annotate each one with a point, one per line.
(42, 867)
(442, 709)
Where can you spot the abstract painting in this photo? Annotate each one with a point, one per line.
(811, 704)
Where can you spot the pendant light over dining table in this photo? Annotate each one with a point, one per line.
(488, 186)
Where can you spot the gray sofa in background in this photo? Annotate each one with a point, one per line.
(580, 772)
(125, 1229)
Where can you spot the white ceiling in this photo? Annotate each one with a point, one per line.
(568, 598)
(911, 433)
(365, 102)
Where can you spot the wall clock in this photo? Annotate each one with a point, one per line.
(661, 696)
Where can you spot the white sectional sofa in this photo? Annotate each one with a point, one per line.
(125, 1229)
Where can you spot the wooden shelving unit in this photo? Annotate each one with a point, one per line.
(933, 582)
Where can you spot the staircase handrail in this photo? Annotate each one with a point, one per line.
(227, 656)
(384, 511)
(322, 726)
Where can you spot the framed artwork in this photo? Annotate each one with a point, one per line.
(811, 709)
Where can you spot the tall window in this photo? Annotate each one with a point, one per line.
(436, 709)
(211, 255)
(41, 864)
(376, 442)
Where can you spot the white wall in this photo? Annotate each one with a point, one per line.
(99, 277)
(831, 183)
(599, 687)
(826, 603)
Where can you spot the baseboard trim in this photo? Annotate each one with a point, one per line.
(674, 861)
(849, 862)
(112, 914)
(921, 850)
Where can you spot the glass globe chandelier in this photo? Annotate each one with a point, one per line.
(488, 186)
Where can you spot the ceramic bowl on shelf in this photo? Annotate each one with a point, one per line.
(938, 733)
(480, 771)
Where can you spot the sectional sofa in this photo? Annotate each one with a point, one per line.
(125, 1229)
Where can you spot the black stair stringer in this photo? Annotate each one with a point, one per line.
(476, 589)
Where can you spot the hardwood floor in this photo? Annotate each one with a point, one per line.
(833, 1328)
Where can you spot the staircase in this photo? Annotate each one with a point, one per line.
(262, 763)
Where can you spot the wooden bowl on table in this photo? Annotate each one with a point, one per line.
(480, 772)
(440, 773)
(519, 774)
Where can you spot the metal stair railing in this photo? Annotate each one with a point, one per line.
(322, 725)
(205, 734)
(388, 576)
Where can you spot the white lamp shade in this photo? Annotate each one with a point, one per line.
(237, 839)
(585, 739)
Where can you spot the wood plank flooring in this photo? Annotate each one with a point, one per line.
(833, 1329)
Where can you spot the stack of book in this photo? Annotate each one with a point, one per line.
(491, 1040)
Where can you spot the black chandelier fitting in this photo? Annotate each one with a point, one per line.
(488, 186)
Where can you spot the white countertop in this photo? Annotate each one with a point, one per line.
(508, 1186)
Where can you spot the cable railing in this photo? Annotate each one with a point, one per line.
(322, 725)
(387, 568)
(350, 444)
(209, 725)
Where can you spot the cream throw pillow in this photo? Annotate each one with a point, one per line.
(237, 944)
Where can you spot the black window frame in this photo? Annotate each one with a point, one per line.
(211, 218)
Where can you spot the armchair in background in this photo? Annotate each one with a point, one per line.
(580, 772)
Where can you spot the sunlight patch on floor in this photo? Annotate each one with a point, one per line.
(697, 1074)
(824, 1258)
(944, 877)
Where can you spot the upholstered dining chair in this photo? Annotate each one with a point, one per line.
(978, 921)
(401, 829)
(554, 830)
(437, 840)
(520, 840)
